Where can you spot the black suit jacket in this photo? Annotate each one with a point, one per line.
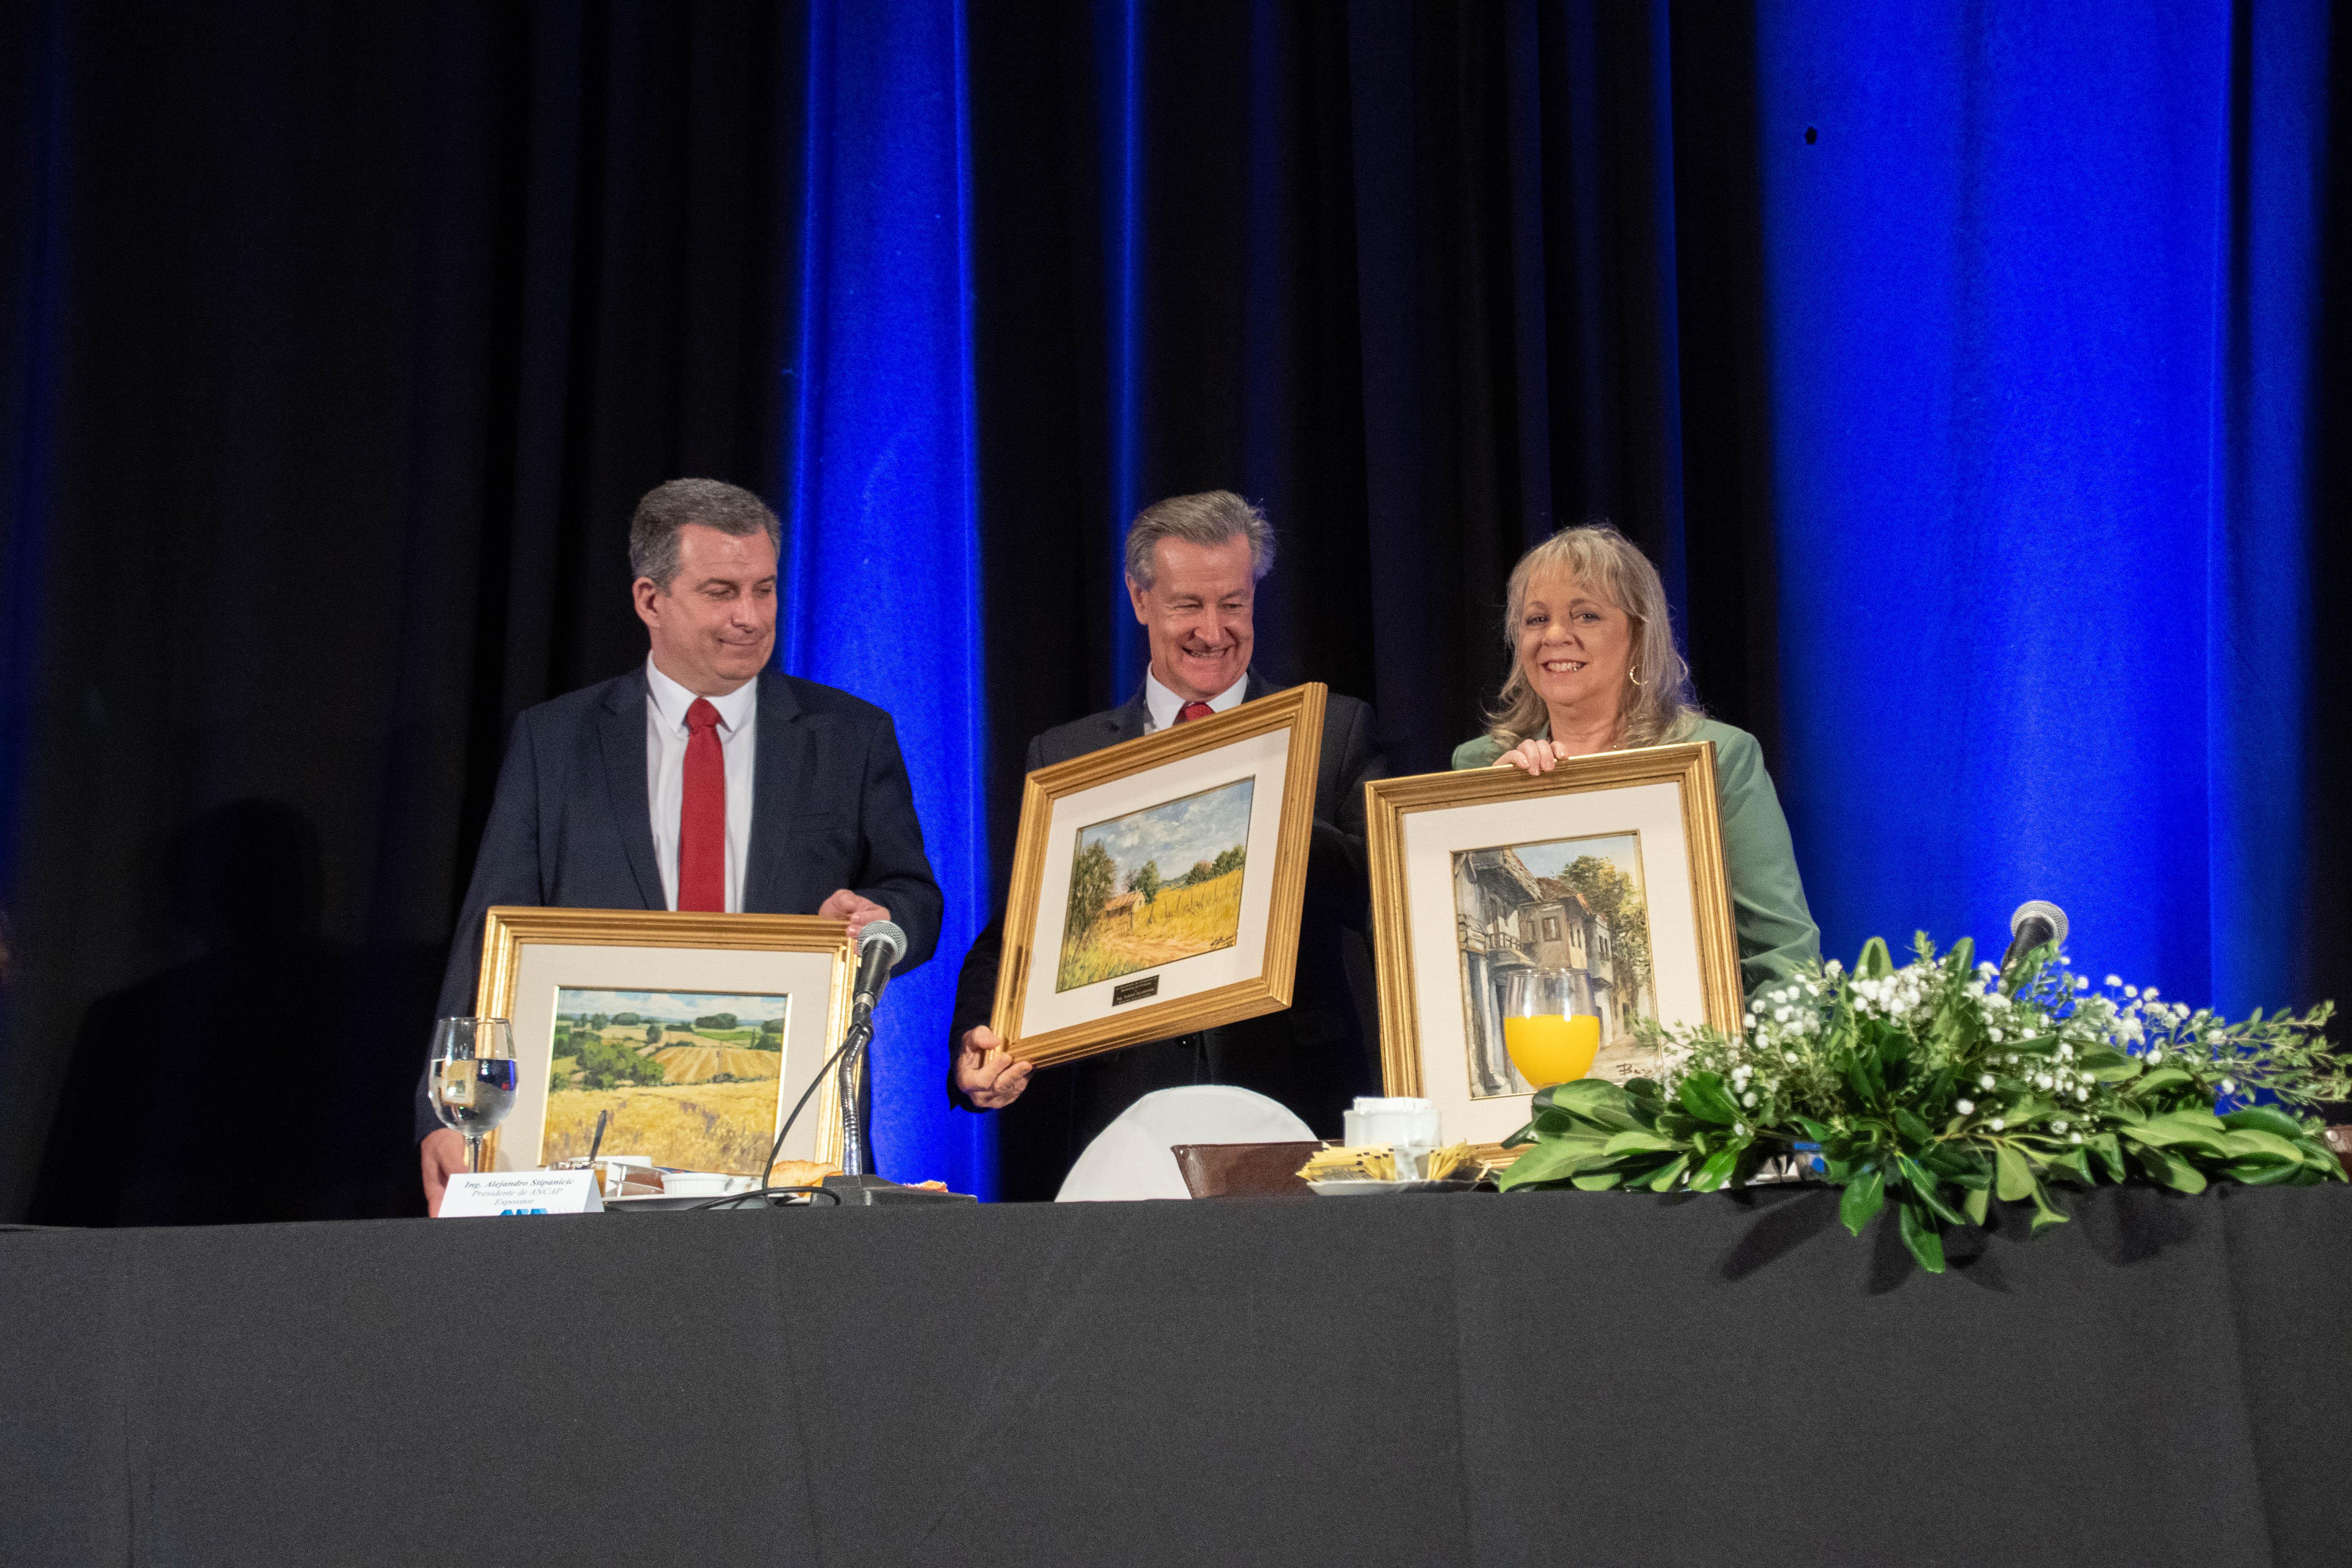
(573, 826)
(1315, 1056)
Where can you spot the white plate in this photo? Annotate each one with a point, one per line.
(1374, 1189)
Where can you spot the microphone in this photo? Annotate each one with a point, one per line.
(879, 948)
(2037, 923)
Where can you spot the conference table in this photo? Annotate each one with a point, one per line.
(1491, 1379)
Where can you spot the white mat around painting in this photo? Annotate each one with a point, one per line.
(1130, 1158)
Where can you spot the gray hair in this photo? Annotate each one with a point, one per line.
(713, 503)
(1657, 705)
(1212, 517)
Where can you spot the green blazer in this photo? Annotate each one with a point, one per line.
(1777, 934)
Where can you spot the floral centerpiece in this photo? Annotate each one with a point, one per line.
(1944, 1084)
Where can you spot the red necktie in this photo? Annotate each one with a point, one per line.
(1191, 710)
(702, 819)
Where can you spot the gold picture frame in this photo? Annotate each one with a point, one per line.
(1434, 838)
(1063, 995)
(532, 955)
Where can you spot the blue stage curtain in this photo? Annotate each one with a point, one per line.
(883, 580)
(2041, 286)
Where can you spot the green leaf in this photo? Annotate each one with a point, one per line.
(2160, 1079)
(1962, 959)
(2074, 1166)
(1639, 1141)
(1913, 1131)
(2167, 1169)
(2045, 1212)
(1524, 1135)
(2110, 1067)
(2253, 1144)
(1704, 1096)
(1718, 1169)
(1592, 1100)
(2263, 1172)
(2263, 1119)
(1551, 1159)
(1875, 962)
(1926, 1189)
(1920, 1235)
(2014, 1178)
(1642, 1089)
(1976, 1203)
(1594, 1180)
(1861, 1199)
(1663, 1180)
(2109, 1152)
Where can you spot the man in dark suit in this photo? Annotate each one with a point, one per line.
(704, 780)
(1192, 567)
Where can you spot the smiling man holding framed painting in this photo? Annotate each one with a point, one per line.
(1192, 564)
(704, 780)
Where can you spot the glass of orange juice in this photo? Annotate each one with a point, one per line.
(1551, 1034)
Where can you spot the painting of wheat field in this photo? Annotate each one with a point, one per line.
(1156, 886)
(691, 1078)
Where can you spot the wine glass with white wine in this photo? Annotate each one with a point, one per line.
(472, 1079)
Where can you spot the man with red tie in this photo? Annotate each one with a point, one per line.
(703, 781)
(1193, 568)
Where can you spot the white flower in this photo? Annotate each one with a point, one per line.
(2228, 1086)
(1740, 1128)
(1965, 1107)
(2114, 981)
(2150, 992)
(2073, 1138)
(1791, 1055)
(2131, 990)
(1986, 1081)
(1834, 967)
(1997, 1123)
(2154, 1053)
(2081, 1094)
(2065, 1052)
(1998, 1036)
(2041, 1080)
(2081, 983)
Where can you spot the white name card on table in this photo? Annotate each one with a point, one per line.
(475, 1194)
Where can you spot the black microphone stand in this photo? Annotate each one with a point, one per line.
(857, 1186)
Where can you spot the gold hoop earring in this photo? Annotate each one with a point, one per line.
(1635, 678)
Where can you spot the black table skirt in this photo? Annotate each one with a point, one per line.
(1433, 1380)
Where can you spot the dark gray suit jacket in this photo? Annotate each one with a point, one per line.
(571, 825)
(1315, 1056)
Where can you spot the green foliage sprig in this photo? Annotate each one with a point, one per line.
(1942, 1085)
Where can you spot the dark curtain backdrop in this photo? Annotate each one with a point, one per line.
(338, 342)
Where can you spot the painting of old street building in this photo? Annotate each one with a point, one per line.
(1571, 904)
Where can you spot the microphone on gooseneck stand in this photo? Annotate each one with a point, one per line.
(2037, 923)
(879, 948)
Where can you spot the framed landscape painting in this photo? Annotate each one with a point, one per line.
(690, 1034)
(1156, 884)
(1526, 926)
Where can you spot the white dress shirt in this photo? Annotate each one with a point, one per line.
(1164, 705)
(665, 737)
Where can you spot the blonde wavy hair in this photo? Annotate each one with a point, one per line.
(1658, 705)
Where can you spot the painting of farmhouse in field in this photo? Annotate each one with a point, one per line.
(1156, 886)
(691, 1078)
(1572, 905)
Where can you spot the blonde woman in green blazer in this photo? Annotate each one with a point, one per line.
(1596, 670)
